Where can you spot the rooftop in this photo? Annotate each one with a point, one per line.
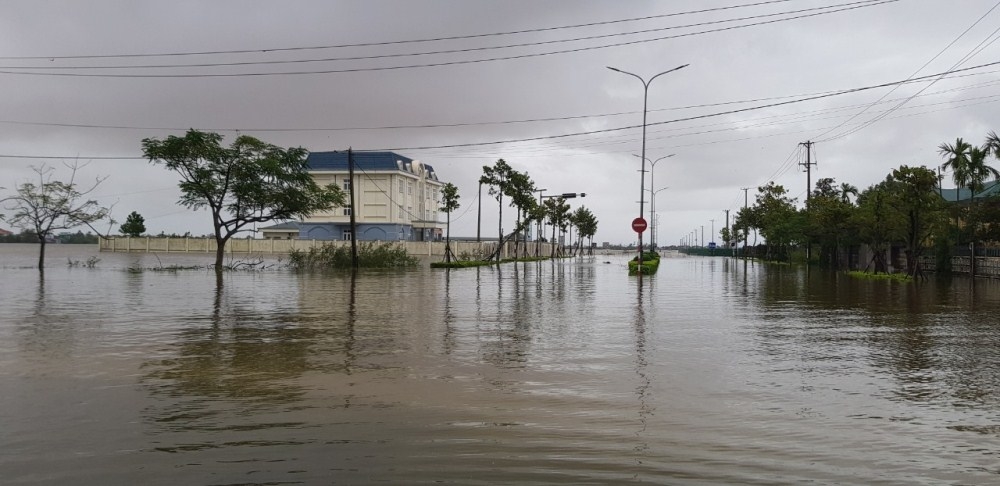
(368, 161)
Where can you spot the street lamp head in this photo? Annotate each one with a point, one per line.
(614, 69)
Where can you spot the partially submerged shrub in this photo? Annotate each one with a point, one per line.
(370, 255)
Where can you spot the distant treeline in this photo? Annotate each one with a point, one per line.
(70, 238)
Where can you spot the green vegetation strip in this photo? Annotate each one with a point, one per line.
(370, 255)
(898, 277)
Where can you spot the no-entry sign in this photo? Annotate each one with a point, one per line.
(638, 225)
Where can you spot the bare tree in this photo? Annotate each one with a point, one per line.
(50, 205)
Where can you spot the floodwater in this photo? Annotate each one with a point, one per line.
(710, 372)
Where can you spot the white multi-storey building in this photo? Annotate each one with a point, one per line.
(396, 198)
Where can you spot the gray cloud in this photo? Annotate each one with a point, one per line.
(842, 50)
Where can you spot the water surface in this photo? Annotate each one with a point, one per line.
(710, 372)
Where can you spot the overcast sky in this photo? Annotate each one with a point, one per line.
(544, 79)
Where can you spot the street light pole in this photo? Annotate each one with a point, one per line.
(642, 177)
(652, 201)
(538, 237)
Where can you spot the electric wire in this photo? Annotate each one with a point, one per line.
(444, 63)
(443, 51)
(388, 43)
(965, 58)
(589, 132)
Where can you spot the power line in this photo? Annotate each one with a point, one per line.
(868, 3)
(607, 130)
(439, 52)
(389, 43)
(959, 63)
(698, 117)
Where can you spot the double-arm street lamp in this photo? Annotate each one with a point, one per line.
(652, 200)
(642, 179)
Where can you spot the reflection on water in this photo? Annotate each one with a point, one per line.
(713, 371)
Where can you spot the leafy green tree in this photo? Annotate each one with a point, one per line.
(134, 225)
(449, 203)
(586, 225)
(557, 212)
(50, 205)
(921, 210)
(830, 220)
(521, 190)
(876, 227)
(496, 178)
(777, 220)
(248, 182)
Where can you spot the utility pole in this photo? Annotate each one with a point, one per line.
(809, 163)
(746, 229)
(354, 221)
(728, 230)
(479, 214)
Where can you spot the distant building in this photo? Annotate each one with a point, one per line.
(4, 232)
(283, 231)
(397, 198)
(961, 194)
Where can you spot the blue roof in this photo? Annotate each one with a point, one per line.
(337, 161)
(362, 160)
(962, 194)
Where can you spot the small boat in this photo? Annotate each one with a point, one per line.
(650, 263)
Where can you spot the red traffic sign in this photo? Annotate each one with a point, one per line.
(638, 225)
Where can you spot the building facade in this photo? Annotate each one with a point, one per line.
(395, 198)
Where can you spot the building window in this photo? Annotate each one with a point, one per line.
(409, 189)
(347, 185)
(347, 211)
(400, 212)
(348, 236)
(401, 183)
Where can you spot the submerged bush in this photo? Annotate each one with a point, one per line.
(370, 255)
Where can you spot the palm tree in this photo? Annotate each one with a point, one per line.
(978, 171)
(957, 156)
(846, 190)
(992, 144)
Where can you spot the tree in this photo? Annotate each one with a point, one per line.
(52, 205)
(586, 225)
(993, 144)
(921, 209)
(830, 220)
(557, 211)
(496, 178)
(957, 156)
(777, 220)
(134, 225)
(248, 182)
(449, 203)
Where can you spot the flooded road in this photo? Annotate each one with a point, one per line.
(711, 372)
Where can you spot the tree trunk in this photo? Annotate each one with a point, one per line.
(447, 240)
(41, 252)
(220, 252)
